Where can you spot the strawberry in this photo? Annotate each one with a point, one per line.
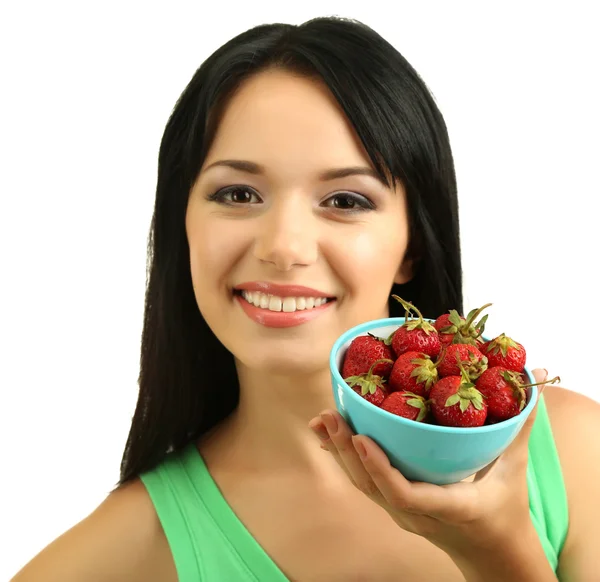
(472, 360)
(361, 354)
(446, 329)
(407, 405)
(505, 352)
(413, 372)
(456, 402)
(504, 391)
(369, 385)
(415, 335)
(377, 398)
(453, 328)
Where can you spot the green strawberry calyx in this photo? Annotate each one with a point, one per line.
(501, 344)
(465, 331)
(467, 394)
(514, 381)
(419, 322)
(474, 366)
(419, 402)
(425, 371)
(456, 320)
(368, 382)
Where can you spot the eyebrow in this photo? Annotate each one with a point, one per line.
(325, 176)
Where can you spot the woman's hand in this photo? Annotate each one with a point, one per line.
(483, 524)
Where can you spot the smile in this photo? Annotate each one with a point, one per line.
(286, 304)
(281, 306)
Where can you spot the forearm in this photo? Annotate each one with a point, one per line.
(520, 560)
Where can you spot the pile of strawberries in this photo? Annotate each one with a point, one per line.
(442, 373)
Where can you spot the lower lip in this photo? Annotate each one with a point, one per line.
(270, 318)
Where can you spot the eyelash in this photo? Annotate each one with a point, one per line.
(364, 204)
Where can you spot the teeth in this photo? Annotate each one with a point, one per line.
(275, 303)
(289, 304)
(286, 304)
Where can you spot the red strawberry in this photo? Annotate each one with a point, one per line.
(415, 335)
(369, 385)
(446, 329)
(361, 354)
(377, 398)
(504, 391)
(472, 360)
(453, 328)
(407, 405)
(413, 372)
(506, 352)
(456, 402)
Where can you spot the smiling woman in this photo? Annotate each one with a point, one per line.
(305, 176)
(307, 209)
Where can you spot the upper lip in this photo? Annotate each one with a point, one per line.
(281, 290)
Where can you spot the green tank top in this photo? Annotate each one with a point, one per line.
(210, 544)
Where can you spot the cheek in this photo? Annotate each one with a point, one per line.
(375, 259)
(215, 247)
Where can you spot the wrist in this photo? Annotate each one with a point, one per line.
(518, 557)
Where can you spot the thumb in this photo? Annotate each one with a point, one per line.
(539, 375)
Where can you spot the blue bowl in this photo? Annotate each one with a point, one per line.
(420, 451)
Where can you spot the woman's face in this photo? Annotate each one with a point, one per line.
(293, 239)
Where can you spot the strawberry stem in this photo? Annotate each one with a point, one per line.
(383, 360)
(441, 356)
(474, 315)
(463, 372)
(408, 306)
(555, 379)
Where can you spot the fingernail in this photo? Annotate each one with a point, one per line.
(546, 372)
(316, 425)
(330, 422)
(360, 448)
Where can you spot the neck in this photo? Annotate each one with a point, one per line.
(269, 429)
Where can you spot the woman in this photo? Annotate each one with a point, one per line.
(307, 168)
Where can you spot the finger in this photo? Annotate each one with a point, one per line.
(522, 440)
(401, 494)
(341, 438)
(516, 456)
(318, 428)
(487, 470)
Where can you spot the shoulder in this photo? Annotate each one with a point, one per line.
(574, 419)
(121, 540)
(575, 423)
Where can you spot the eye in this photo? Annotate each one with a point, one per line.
(236, 195)
(349, 202)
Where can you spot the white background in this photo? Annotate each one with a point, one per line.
(86, 91)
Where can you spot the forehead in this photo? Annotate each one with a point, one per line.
(277, 118)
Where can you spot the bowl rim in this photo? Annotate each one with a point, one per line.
(362, 329)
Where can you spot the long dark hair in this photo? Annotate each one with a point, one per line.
(403, 133)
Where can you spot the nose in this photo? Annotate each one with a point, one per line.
(288, 235)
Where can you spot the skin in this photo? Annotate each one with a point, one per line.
(352, 519)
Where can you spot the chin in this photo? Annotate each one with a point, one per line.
(287, 363)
